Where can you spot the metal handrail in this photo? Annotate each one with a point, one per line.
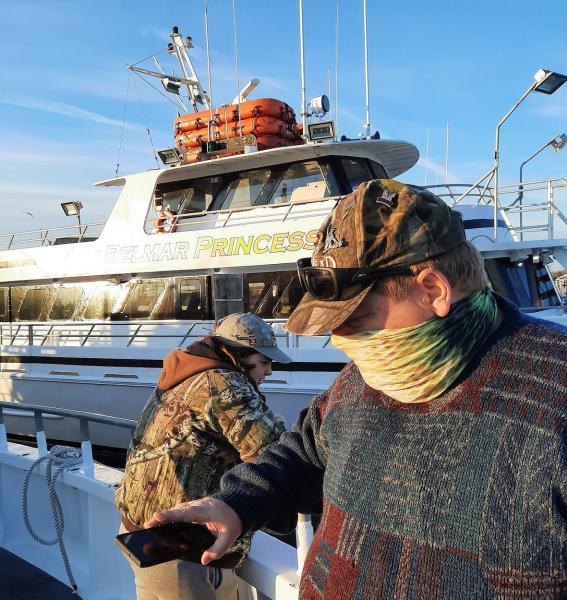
(453, 195)
(47, 236)
(84, 418)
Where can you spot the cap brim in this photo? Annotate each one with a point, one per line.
(314, 317)
(272, 352)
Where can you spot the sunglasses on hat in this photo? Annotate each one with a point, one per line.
(325, 283)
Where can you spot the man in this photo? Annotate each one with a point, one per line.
(440, 450)
(206, 415)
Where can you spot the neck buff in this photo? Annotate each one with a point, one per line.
(417, 364)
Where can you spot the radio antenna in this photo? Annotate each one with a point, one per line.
(303, 91)
(447, 152)
(236, 61)
(367, 125)
(210, 94)
(337, 75)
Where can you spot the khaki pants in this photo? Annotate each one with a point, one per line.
(183, 580)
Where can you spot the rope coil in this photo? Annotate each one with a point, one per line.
(62, 457)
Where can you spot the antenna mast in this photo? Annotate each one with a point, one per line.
(303, 91)
(210, 107)
(367, 125)
(337, 76)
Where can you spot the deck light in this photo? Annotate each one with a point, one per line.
(557, 143)
(548, 81)
(545, 81)
(169, 156)
(73, 209)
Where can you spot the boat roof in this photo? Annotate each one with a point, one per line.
(395, 156)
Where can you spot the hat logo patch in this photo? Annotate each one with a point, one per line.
(386, 199)
(331, 240)
(325, 261)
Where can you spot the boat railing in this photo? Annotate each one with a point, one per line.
(186, 221)
(53, 236)
(84, 419)
(129, 334)
(529, 208)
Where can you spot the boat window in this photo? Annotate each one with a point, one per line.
(192, 299)
(188, 196)
(244, 190)
(35, 304)
(356, 170)
(379, 172)
(66, 302)
(308, 180)
(142, 299)
(289, 299)
(102, 301)
(4, 304)
(264, 294)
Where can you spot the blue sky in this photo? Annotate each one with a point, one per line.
(63, 85)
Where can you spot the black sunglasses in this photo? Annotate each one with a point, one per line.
(325, 283)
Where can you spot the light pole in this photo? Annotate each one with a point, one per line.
(557, 143)
(546, 82)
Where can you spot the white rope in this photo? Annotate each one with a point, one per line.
(63, 457)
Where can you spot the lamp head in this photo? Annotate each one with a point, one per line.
(71, 209)
(559, 142)
(548, 81)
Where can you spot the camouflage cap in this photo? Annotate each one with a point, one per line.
(384, 224)
(246, 330)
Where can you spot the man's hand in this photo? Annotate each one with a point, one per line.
(218, 517)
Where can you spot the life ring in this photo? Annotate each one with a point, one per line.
(166, 221)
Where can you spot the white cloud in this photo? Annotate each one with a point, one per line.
(62, 108)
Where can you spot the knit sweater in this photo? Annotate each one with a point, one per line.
(463, 497)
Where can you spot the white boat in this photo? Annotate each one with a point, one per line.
(87, 313)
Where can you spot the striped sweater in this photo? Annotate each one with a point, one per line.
(464, 497)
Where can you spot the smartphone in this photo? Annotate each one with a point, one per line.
(185, 541)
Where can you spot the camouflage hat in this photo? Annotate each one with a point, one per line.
(246, 330)
(385, 225)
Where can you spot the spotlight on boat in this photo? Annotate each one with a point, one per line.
(170, 86)
(169, 156)
(559, 142)
(72, 209)
(548, 81)
(319, 106)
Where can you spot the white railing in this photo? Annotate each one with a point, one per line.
(520, 203)
(54, 236)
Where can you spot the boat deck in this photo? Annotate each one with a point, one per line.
(21, 581)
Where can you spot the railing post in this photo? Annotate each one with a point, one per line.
(303, 536)
(86, 449)
(550, 209)
(3, 436)
(30, 335)
(40, 433)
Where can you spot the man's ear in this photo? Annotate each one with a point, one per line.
(435, 290)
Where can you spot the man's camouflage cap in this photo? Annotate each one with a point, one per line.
(384, 224)
(246, 330)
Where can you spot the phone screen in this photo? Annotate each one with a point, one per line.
(186, 541)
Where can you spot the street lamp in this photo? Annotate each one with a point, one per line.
(73, 209)
(557, 143)
(546, 82)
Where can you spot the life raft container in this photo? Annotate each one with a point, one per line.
(262, 107)
(258, 127)
(166, 221)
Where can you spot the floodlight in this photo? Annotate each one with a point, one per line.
(170, 86)
(559, 142)
(169, 156)
(72, 209)
(548, 81)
